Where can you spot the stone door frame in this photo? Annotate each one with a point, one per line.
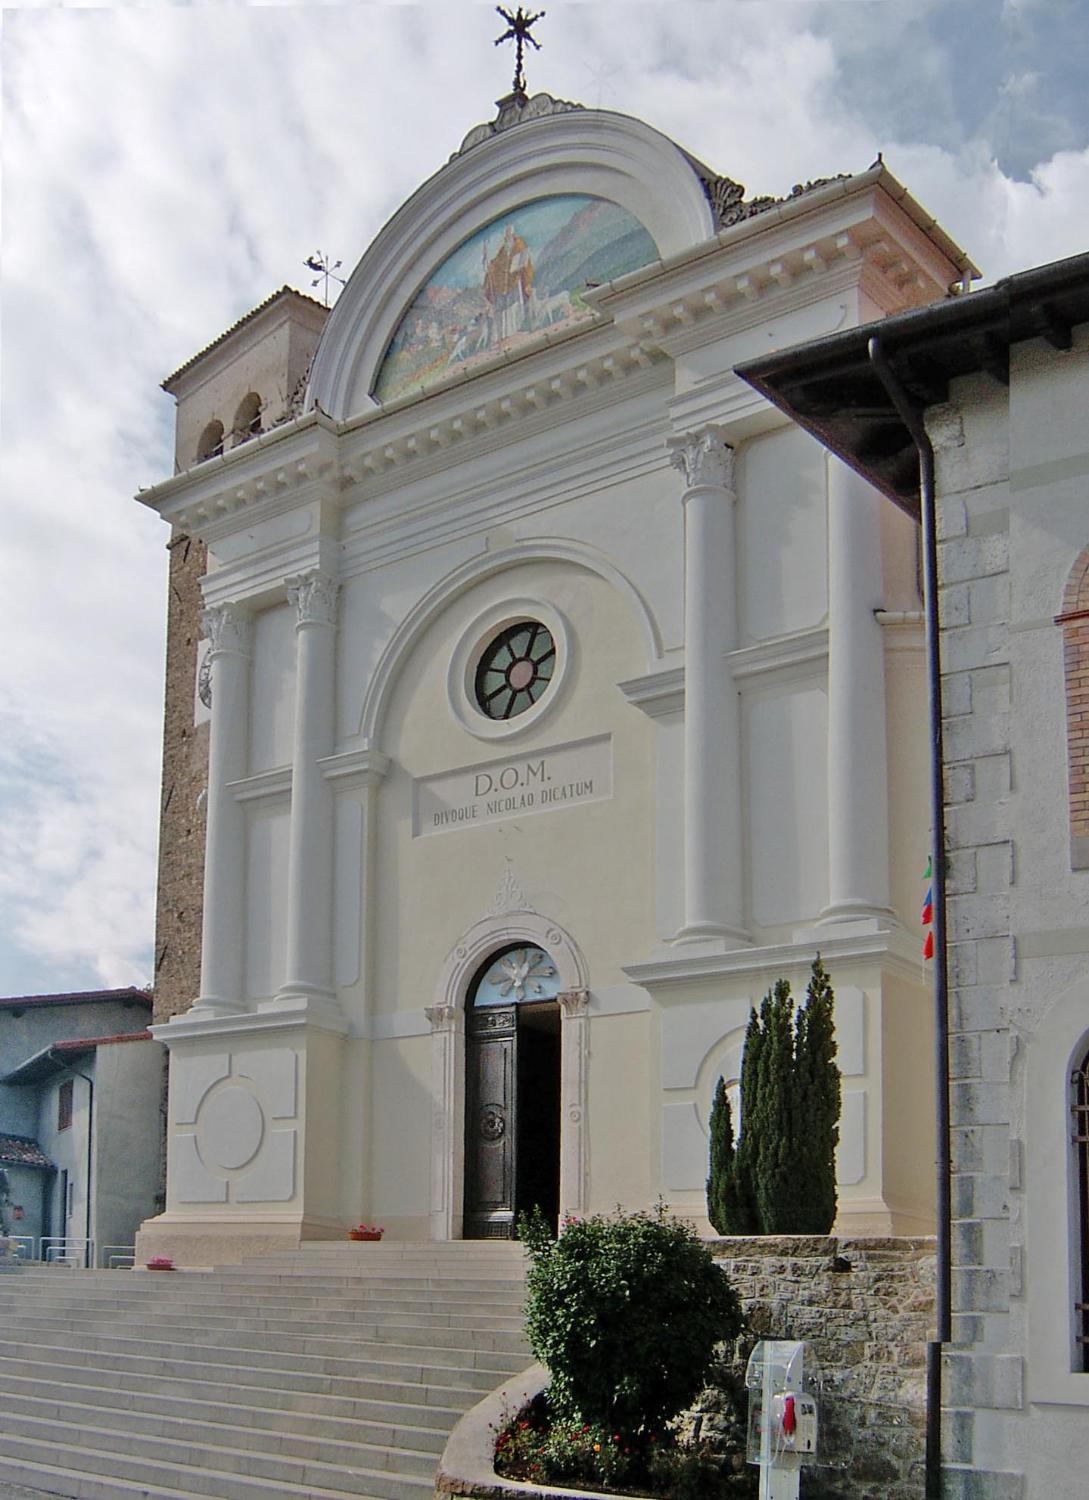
(447, 1019)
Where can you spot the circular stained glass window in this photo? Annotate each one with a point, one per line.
(515, 669)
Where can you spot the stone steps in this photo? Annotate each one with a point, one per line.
(323, 1374)
(132, 1409)
(404, 1327)
(364, 1303)
(445, 1345)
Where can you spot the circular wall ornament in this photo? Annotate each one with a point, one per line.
(230, 1129)
(507, 670)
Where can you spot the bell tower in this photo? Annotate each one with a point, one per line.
(250, 379)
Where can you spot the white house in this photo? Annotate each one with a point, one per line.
(1001, 380)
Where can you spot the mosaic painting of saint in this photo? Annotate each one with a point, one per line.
(516, 277)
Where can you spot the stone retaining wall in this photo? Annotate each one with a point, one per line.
(867, 1307)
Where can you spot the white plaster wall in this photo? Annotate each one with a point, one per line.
(782, 535)
(786, 758)
(128, 1138)
(67, 1149)
(272, 688)
(588, 867)
(907, 747)
(268, 838)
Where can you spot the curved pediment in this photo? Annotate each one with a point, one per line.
(497, 248)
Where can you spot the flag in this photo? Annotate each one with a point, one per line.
(928, 912)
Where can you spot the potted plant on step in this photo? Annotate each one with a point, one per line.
(366, 1232)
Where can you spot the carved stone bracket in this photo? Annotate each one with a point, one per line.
(705, 459)
(314, 596)
(229, 629)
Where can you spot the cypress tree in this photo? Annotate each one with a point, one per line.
(775, 1177)
(721, 1168)
(741, 1184)
(779, 1176)
(818, 1105)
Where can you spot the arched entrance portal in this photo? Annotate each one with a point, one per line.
(512, 1092)
(510, 926)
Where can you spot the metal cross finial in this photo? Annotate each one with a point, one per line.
(518, 30)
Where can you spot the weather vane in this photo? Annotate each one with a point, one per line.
(319, 262)
(518, 30)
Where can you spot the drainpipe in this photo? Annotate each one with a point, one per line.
(90, 1144)
(910, 415)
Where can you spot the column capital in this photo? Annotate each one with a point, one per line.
(442, 1017)
(704, 457)
(573, 1003)
(228, 628)
(314, 595)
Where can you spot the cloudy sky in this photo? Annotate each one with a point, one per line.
(165, 167)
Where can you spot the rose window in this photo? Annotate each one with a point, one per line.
(515, 669)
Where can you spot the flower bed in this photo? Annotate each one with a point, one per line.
(539, 1448)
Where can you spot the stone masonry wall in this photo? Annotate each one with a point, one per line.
(185, 776)
(867, 1307)
(980, 1371)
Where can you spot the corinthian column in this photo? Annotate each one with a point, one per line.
(858, 803)
(713, 888)
(222, 969)
(309, 957)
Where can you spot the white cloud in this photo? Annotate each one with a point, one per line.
(166, 167)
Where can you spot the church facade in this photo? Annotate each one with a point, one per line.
(563, 696)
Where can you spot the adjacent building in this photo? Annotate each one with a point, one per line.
(81, 1083)
(1000, 378)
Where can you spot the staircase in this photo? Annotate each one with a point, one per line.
(332, 1371)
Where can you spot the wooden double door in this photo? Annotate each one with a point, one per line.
(512, 1117)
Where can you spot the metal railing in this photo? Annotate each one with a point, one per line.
(117, 1257)
(66, 1250)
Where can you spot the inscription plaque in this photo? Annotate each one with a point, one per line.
(539, 781)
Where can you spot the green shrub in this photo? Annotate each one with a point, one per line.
(625, 1312)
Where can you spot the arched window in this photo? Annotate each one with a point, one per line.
(516, 976)
(211, 442)
(247, 419)
(1080, 1082)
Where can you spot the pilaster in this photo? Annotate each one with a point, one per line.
(447, 1118)
(574, 1070)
